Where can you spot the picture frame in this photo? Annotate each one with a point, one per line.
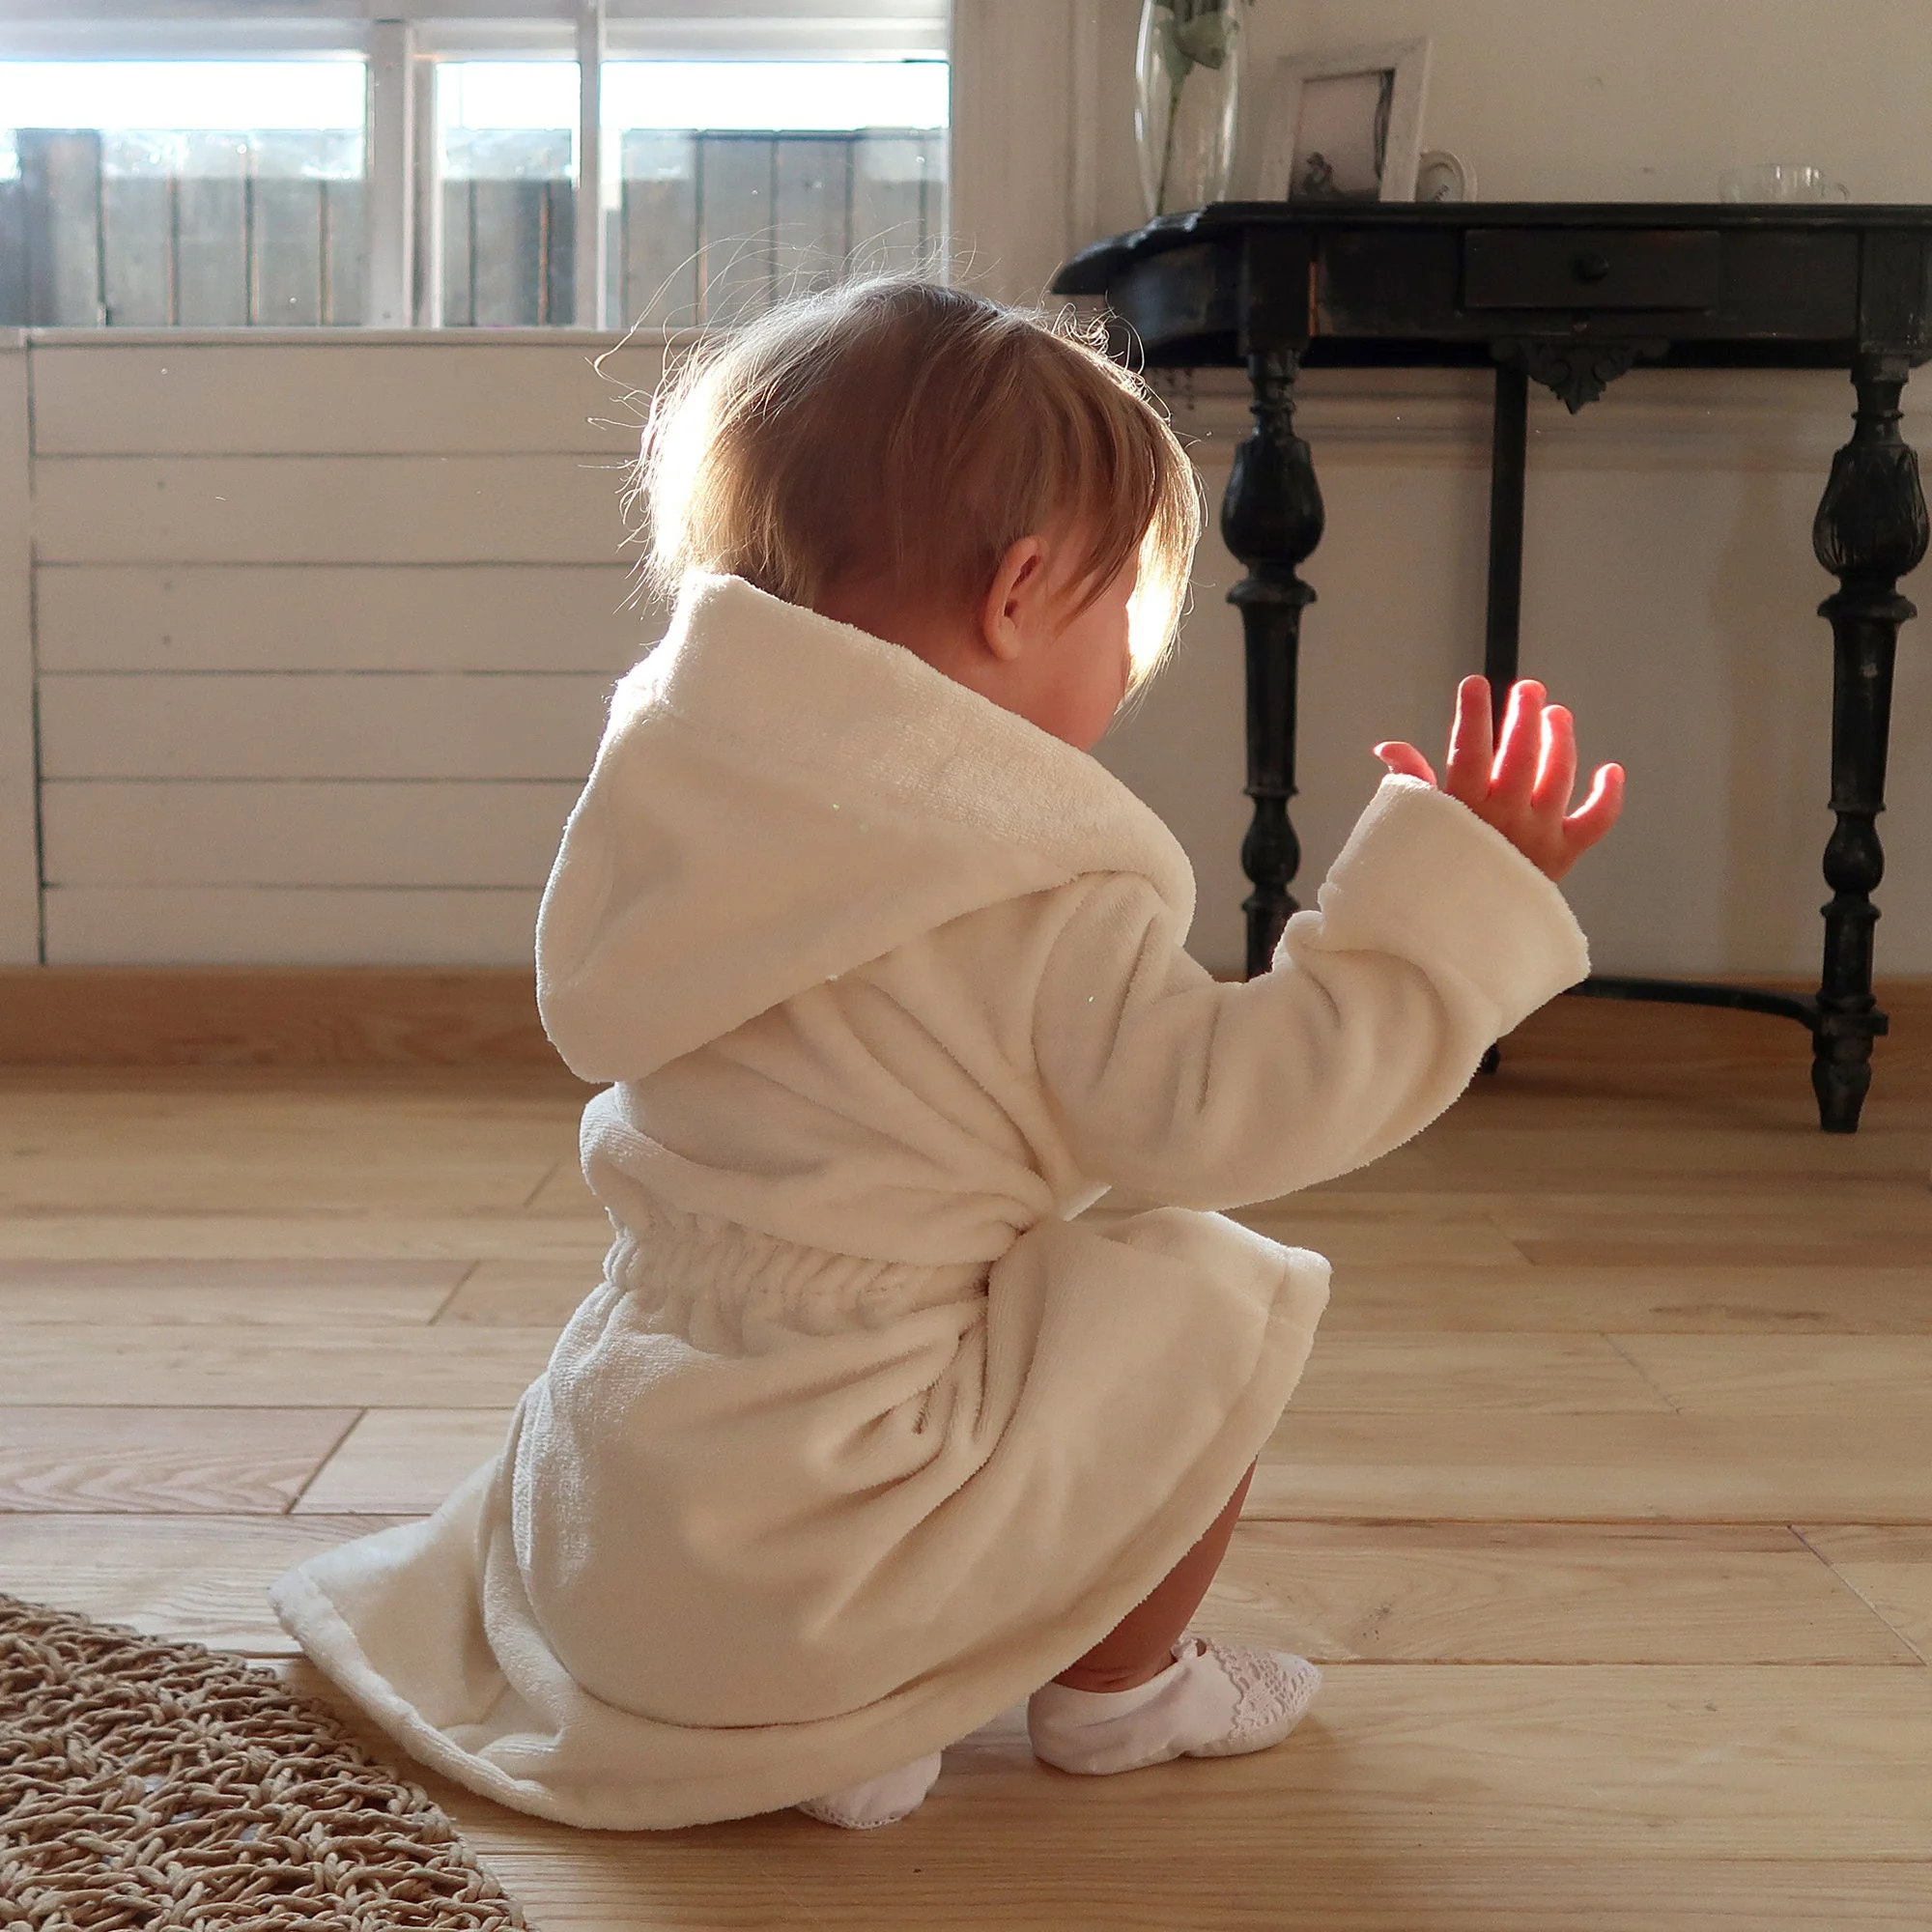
(1346, 124)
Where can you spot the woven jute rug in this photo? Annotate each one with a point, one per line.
(164, 1787)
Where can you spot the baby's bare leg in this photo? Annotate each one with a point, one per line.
(1141, 1645)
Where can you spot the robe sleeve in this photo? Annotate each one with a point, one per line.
(1433, 936)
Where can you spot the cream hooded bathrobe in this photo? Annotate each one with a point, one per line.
(862, 1439)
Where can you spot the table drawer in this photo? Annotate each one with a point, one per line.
(1591, 269)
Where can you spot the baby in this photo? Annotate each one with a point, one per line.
(865, 1436)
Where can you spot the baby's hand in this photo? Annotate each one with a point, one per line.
(1523, 790)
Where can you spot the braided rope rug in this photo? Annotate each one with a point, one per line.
(148, 1785)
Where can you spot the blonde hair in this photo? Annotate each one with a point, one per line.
(902, 434)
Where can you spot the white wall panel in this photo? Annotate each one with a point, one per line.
(212, 926)
(287, 617)
(343, 397)
(326, 509)
(1012, 181)
(303, 835)
(321, 726)
(19, 871)
(1671, 593)
(358, 603)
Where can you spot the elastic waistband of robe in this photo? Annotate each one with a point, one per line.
(691, 1269)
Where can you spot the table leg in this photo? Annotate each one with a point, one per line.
(1509, 460)
(1870, 531)
(1271, 518)
(1509, 441)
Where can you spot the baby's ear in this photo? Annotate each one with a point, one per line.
(1015, 602)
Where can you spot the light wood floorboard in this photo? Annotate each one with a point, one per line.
(527, 1294)
(1361, 1373)
(174, 1185)
(402, 1461)
(1789, 1374)
(197, 1579)
(1598, 1469)
(1662, 1298)
(1605, 1502)
(1149, 1880)
(1620, 1244)
(279, 1237)
(378, 1366)
(1363, 1241)
(1543, 1593)
(101, 1459)
(1891, 1568)
(216, 1292)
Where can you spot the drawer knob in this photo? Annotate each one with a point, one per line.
(1591, 267)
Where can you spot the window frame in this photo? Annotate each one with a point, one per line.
(74, 29)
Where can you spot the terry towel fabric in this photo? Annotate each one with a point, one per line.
(864, 1436)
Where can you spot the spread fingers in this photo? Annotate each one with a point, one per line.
(1556, 765)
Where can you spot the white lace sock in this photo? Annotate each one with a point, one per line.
(878, 1800)
(1215, 1700)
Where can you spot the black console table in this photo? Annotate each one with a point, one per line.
(1569, 294)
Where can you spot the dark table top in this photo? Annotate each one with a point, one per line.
(1089, 271)
(1710, 284)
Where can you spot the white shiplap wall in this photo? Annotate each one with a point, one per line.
(19, 857)
(319, 630)
(323, 630)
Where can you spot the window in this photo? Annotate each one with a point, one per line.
(429, 167)
(198, 192)
(741, 181)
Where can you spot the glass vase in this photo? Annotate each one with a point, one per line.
(1187, 87)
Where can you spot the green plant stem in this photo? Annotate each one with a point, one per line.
(1167, 150)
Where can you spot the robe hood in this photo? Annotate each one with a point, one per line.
(780, 798)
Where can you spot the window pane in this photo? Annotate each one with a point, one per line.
(763, 94)
(506, 140)
(724, 182)
(199, 192)
(733, 182)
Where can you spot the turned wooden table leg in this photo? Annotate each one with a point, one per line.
(1870, 531)
(1509, 455)
(1509, 445)
(1271, 518)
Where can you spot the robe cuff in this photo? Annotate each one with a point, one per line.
(1423, 877)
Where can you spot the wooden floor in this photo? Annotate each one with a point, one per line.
(1607, 1501)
